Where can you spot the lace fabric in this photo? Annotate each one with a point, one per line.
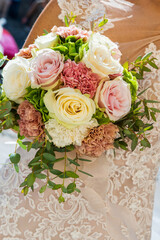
(94, 10)
(123, 203)
(114, 205)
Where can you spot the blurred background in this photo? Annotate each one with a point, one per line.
(16, 20)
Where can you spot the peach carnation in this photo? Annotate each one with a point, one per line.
(30, 122)
(72, 30)
(26, 52)
(99, 140)
(80, 77)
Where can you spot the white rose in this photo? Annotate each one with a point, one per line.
(103, 56)
(16, 79)
(69, 107)
(46, 41)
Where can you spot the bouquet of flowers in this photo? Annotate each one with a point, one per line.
(69, 91)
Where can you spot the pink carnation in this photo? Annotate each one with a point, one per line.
(30, 122)
(26, 52)
(80, 77)
(72, 30)
(98, 140)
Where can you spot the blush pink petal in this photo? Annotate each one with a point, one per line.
(46, 67)
(115, 97)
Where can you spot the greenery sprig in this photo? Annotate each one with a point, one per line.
(141, 65)
(8, 113)
(96, 27)
(135, 126)
(42, 166)
(69, 19)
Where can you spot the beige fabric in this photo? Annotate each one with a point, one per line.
(133, 34)
(117, 203)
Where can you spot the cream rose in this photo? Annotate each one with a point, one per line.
(69, 107)
(46, 41)
(103, 56)
(16, 79)
(115, 97)
(45, 69)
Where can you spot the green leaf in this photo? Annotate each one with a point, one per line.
(25, 190)
(45, 31)
(61, 199)
(1, 55)
(103, 22)
(30, 179)
(29, 147)
(151, 101)
(71, 174)
(16, 167)
(153, 116)
(57, 186)
(56, 172)
(5, 108)
(64, 189)
(62, 49)
(66, 21)
(145, 143)
(43, 188)
(138, 59)
(15, 157)
(73, 162)
(71, 187)
(23, 184)
(49, 156)
(139, 94)
(84, 160)
(40, 175)
(21, 144)
(126, 65)
(48, 135)
(132, 81)
(123, 145)
(152, 64)
(146, 69)
(155, 110)
(48, 145)
(147, 56)
(77, 190)
(85, 173)
(134, 143)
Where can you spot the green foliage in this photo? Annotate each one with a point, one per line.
(101, 118)
(132, 81)
(35, 97)
(69, 18)
(135, 125)
(42, 166)
(142, 64)
(98, 26)
(8, 113)
(71, 48)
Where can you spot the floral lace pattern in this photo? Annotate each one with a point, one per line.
(130, 185)
(88, 11)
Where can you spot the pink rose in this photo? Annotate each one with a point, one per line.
(45, 69)
(115, 97)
